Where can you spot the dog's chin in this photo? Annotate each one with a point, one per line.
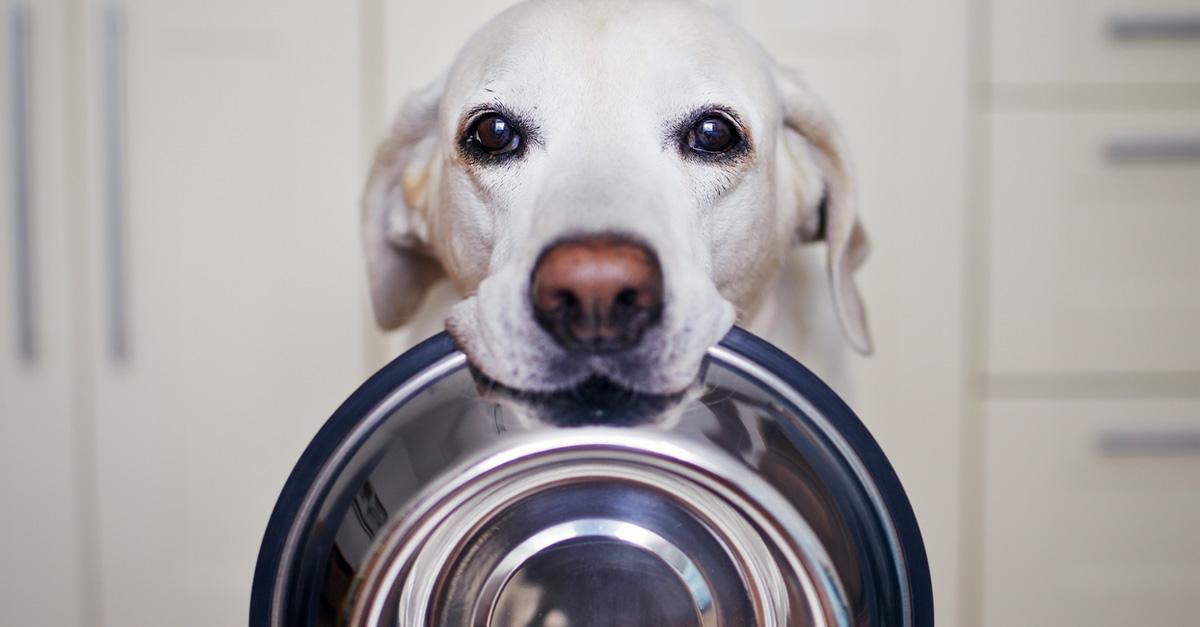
(537, 365)
(596, 400)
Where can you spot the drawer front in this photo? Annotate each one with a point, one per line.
(1091, 513)
(1094, 242)
(1095, 41)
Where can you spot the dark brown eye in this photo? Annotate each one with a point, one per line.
(713, 134)
(495, 134)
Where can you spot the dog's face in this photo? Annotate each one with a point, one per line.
(611, 184)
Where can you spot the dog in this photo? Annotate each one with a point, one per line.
(610, 185)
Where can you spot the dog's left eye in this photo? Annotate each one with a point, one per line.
(495, 134)
(713, 134)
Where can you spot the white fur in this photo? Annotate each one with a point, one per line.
(604, 81)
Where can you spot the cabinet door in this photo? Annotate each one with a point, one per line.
(227, 303)
(1129, 43)
(1090, 513)
(1094, 266)
(40, 580)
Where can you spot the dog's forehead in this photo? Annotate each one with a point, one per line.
(664, 54)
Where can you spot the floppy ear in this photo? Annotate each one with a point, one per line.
(400, 264)
(812, 135)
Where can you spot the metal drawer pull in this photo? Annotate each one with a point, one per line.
(1162, 25)
(113, 147)
(1154, 149)
(1164, 443)
(22, 262)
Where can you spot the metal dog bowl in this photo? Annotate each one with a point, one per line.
(432, 498)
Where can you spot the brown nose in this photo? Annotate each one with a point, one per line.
(597, 293)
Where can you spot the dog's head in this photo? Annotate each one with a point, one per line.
(610, 184)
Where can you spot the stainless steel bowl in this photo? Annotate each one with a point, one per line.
(434, 498)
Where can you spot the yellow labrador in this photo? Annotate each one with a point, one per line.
(611, 185)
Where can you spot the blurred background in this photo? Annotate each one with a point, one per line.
(183, 302)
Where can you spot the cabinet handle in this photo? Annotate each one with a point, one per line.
(1165, 443)
(112, 111)
(22, 262)
(1177, 25)
(1153, 150)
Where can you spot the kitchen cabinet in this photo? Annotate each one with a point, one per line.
(197, 305)
(1091, 510)
(42, 441)
(1094, 266)
(225, 317)
(1085, 437)
(1079, 43)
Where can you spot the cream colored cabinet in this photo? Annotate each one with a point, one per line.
(223, 274)
(1139, 43)
(1090, 513)
(1088, 437)
(182, 298)
(42, 443)
(1094, 263)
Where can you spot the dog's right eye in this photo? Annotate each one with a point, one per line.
(495, 134)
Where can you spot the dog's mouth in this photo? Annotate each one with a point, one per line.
(498, 329)
(597, 400)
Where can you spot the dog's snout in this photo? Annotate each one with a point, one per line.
(597, 293)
